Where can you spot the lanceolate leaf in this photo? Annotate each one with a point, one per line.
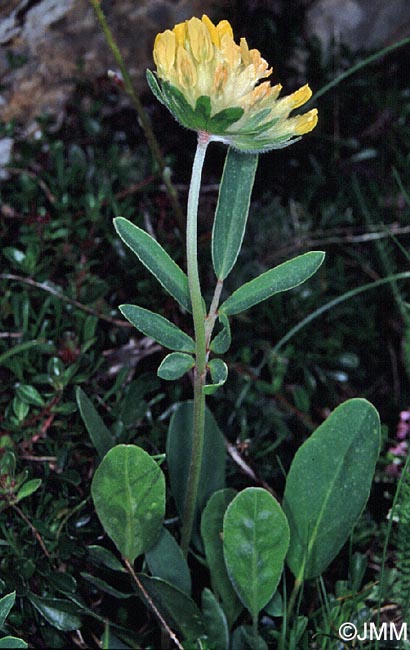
(211, 531)
(156, 259)
(166, 561)
(217, 631)
(6, 603)
(232, 210)
(158, 328)
(255, 542)
(179, 444)
(282, 278)
(128, 491)
(328, 485)
(98, 432)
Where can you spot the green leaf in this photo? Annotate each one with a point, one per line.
(102, 585)
(219, 375)
(222, 340)
(211, 531)
(232, 210)
(178, 609)
(328, 485)
(275, 605)
(175, 365)
(243, 639)
(220, 122)
(128, 490)
(179, 445)
(29, 395)
(217, 631)
(156, 260)
(12, 642)
(59, 613)
(28, 488)
(100, 436)
(101, 555)
(282, 278)
(154, 86)
(166, 561)
(203, 107)
(158, 328)
(255, 542)
(6, 603)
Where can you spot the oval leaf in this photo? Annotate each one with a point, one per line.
(59, 613)
(156, 260)
(232, 210)
(178, 609)
(219, 375)
(175, 365)
(328, 485)
(28, 488)
(6, 603)
(222, 340)
(166, 561)
(128, 491)
(282, 278)
(100, 436)
(12, 642)
(211, 531)
(158, 328)
(179, 444)
(255, 542)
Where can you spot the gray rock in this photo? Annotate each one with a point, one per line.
(48, 45)
(360, 24)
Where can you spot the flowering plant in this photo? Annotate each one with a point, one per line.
(211, 85)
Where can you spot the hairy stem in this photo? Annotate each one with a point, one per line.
(198, 314)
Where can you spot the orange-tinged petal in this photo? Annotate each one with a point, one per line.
(186, 69)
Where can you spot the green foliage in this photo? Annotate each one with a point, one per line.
(255, 543)
(128, 491)
(232, 210)
(402, 513)
(282, 278)
(174, 365)
(328, 485)
(158, 328)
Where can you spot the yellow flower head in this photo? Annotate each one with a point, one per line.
(211, 84)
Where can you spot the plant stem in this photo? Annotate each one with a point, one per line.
(198, 314)
(213, 312)
(142, 115)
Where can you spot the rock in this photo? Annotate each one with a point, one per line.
(360, 24)
(48, 45)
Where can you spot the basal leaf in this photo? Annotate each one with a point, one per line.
(158, 328)
(255, 542)
(282, 278)
(217, 632)
(232, 210)
(100, 436)
(6, 603)
(156, 260)
(166, 561)
(179, 445)
(328, 485)
(211, 531)
(128, 491)
(60, 613)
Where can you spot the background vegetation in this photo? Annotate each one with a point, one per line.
(343, 189)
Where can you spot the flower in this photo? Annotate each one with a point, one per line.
(211, 84)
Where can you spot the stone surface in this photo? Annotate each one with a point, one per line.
(48, 45)
(360, 24)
